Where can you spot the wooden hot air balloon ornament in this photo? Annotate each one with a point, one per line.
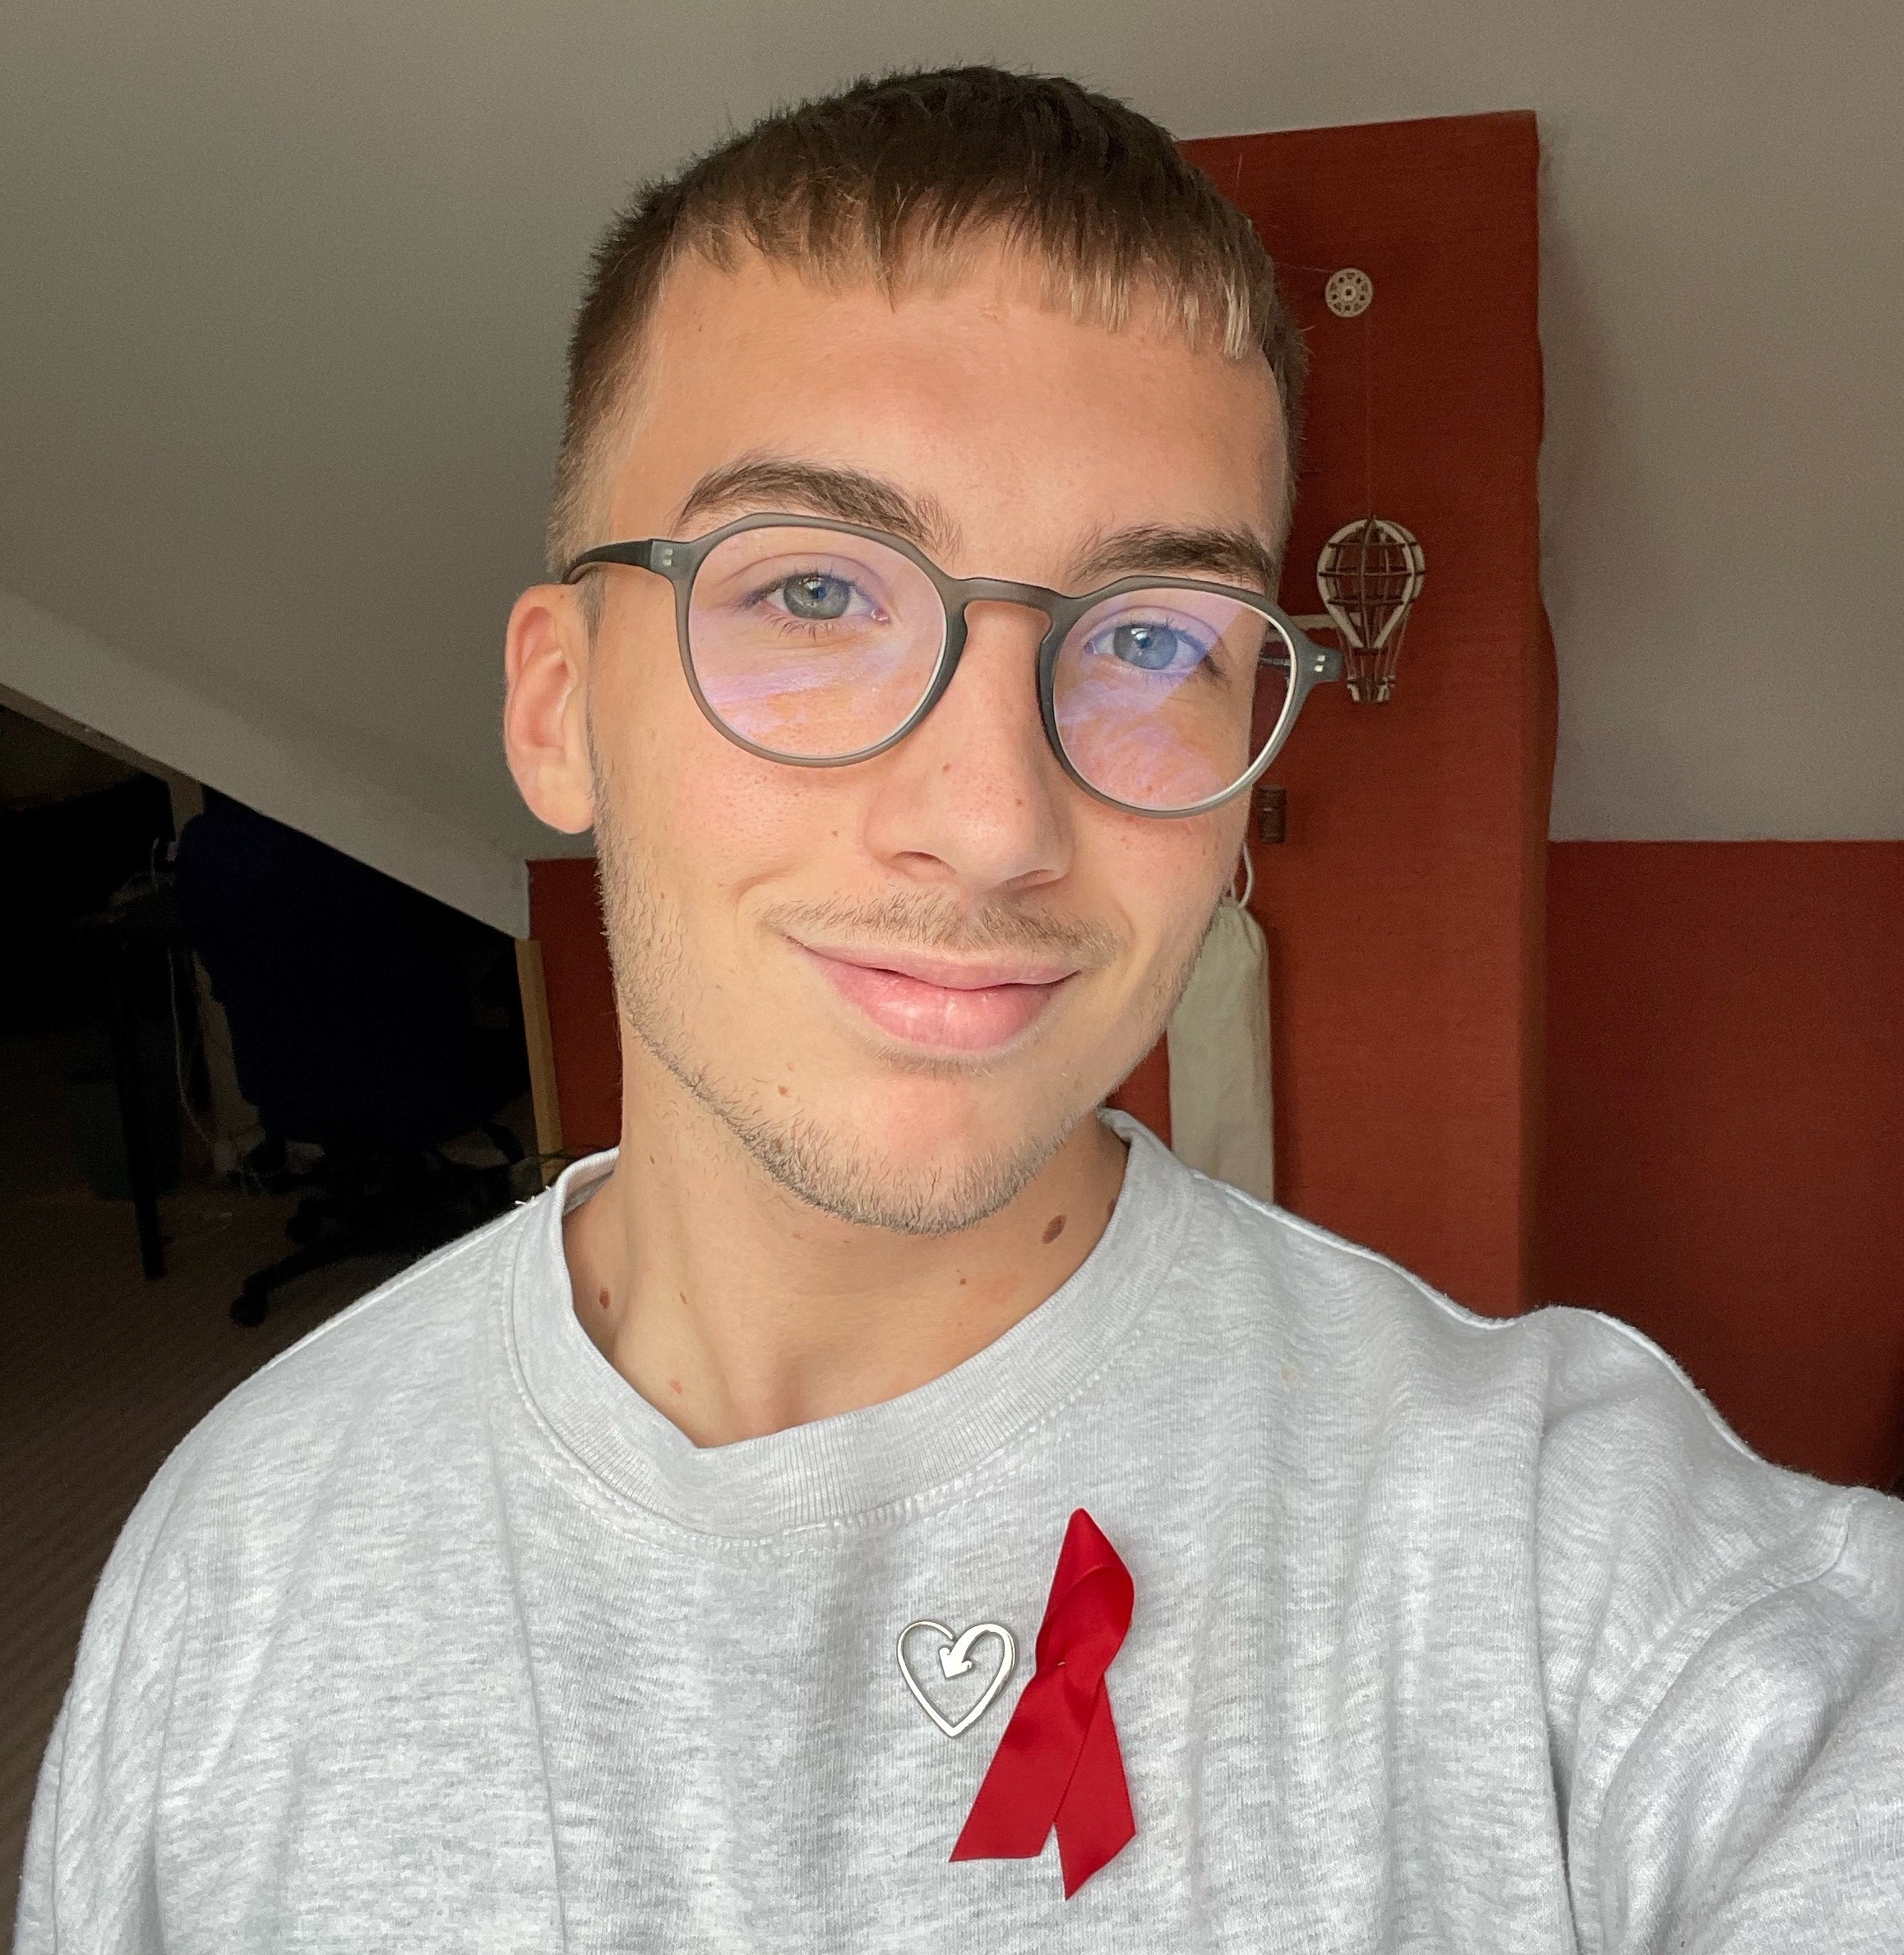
(1369, 576)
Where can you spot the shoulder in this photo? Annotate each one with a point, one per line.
(398, 1377)
(1605, 1440)
(1639, 1505)
(289, 1481)
(1588, 1380)
(1361, 1328)
(1558, 1456)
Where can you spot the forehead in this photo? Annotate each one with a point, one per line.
(1017, 418)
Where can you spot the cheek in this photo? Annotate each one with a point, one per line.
(708, 820)
(1167, 877)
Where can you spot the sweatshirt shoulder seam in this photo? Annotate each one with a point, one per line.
(1476, 1320)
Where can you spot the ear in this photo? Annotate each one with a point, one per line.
(545, 658)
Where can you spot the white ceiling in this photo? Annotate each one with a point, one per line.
(286, 289)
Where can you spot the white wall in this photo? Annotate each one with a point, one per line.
(278, 768)
(281, 333)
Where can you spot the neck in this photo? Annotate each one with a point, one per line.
(737, 1309)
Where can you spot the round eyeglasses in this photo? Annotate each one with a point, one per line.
(820, 644)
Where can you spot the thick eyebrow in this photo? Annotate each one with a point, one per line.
(1225, 556)
(765, 484)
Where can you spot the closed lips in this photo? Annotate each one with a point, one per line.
(936, 1001)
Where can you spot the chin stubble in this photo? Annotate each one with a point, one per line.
(812, 1161)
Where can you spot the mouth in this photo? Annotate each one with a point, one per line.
(943, 1003)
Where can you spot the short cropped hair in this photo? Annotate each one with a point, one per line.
(899, 177)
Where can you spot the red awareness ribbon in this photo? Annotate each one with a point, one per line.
(1058, 1763)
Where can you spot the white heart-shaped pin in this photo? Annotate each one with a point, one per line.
(955, 1659)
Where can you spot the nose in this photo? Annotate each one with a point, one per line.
(973, 801)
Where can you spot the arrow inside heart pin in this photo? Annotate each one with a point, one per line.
(955, 1661)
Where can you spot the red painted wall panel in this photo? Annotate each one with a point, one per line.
(1725, 1126)
(1404, 912)
(564, 916)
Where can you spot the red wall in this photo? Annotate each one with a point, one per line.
(1724, 1163)
(565, 916)
(1404, 912)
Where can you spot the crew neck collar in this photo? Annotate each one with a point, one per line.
(855, 1463)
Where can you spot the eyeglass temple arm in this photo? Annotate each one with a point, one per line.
(652, 553)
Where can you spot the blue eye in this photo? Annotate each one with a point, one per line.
(815, 597)
(1149, 645)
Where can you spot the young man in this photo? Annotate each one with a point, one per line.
(885, 1467)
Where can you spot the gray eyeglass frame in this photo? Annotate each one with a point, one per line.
(680, 561)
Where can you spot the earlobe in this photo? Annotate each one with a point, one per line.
(545, 659)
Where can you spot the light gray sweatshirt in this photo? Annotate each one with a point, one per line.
(1449, 1633)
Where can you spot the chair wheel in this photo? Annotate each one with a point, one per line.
(250, 1307)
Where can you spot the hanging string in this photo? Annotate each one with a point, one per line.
(1369, 410)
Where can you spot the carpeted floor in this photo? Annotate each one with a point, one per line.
(101, 1375)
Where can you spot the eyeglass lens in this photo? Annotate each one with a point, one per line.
(816, 645)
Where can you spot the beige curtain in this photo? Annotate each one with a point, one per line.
(1218, 1041)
